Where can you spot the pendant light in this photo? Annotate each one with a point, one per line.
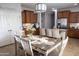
(40, 7)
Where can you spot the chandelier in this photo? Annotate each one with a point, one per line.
(40, 7)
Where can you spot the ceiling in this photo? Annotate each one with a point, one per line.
(51, 5)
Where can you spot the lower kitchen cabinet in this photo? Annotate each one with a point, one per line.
(73, 33)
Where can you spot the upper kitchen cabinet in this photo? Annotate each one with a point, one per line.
(74, 17)
(28, 17)
(33, 18)
(78, 17)
(63, 14)
(23, 17)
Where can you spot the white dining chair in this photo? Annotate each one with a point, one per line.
(17, 38)
(26, 44)
(18, 45)
(49, 33)
(58, 49)
(42, 31)
(64, 42)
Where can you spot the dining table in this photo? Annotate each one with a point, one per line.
(44, 44)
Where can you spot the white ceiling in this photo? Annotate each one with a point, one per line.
(50, 5)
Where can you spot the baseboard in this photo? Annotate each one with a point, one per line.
(6, 45)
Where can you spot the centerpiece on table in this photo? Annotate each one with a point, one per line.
(30, 29)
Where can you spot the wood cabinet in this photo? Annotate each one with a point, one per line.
(29, 17)
(78, 17)
(70, 33)
(60, 15)
(77, 33)
(23, 17)
(35, 18)
(63, 14)
(74, 17)
(37, 31)
(73, 33)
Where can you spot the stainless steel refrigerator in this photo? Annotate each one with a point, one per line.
(62, 23)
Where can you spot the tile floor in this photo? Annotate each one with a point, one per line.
(7, 50)
(72, 49)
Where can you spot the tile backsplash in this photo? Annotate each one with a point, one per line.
(74, 25)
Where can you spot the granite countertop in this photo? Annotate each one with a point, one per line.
(73, 29)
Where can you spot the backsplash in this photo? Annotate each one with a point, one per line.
(35, 25)
(74, 25)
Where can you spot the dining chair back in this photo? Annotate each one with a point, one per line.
(42, 31)
(26, 44)
(64, 42)
(18, 45)
(58, 48)
(49, 33)
(17, 38)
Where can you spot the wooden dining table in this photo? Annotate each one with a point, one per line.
(44, 44)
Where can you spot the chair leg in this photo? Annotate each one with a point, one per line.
(15, 48)
(25, 53)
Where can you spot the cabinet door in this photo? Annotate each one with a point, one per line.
(28, 17)
(23, 17)
(76, 33)
(77, 17)
(32, 17)
(60, 15)
(65, 14)
(71, 33)
(73, 18)
(36, 32)
(35, 18)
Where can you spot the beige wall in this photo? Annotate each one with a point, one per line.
(10, 19)
(73, 9)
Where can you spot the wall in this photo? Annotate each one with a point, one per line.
(10, 22)
(74, 25)
(73, 9)
(48, 19)
(25, 8)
